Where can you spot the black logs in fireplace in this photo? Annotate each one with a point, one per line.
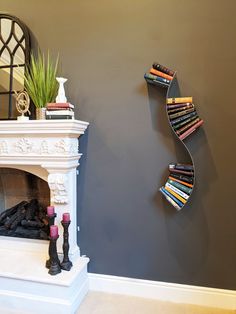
(25, 220)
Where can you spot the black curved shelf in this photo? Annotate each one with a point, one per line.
(183, 120)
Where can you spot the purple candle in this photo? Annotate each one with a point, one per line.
(53, 231)
(50, 211)
(66, 217)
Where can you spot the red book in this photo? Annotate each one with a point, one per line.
(191, 130)
(59, 108)
(60, 105)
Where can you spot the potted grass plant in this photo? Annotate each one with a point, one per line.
(40, 82)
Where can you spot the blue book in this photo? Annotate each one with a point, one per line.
(150, 76)
(172, 196)
(169, 199)
(156, 83)
(189, 115)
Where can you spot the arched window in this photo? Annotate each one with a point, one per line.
(14, 56)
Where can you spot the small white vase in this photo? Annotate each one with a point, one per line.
(61, 97)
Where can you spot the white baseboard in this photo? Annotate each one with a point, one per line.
(164, 291)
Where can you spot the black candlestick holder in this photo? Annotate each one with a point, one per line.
(53, 263)
(66, 264)
(51, 219)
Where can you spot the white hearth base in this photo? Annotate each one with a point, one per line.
(26, 286)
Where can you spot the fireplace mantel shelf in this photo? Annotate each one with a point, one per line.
(71, 128)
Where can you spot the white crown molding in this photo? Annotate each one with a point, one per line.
(67, 128)
(164, 291)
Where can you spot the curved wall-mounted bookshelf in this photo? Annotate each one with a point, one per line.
(183, 120)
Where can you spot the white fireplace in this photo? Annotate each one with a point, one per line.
(49, 150)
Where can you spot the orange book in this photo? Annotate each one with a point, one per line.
(182, 182)
(176, 195)
(159, 73)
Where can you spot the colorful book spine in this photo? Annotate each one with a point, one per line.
(191, 130)
(156, 78)
(172, 106)
(57, 117)
(177, 126)
(180, 119)
(58, 108)
(159, 67)
(60, 105)
(176, 200)
(180, 198)
(157, 83)
(187, 126)
(188, 173)
(185, 167)
(180, 186)
(176, 190)
(60, 112)
(170, 111)
(184, 179)
(170, 200)
(179, 100)
(181, 113)
(159, 73)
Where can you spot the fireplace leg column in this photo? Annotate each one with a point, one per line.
(63, 196)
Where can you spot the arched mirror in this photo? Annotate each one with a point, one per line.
(14, 57)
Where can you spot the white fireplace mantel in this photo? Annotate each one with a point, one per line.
(49, 149)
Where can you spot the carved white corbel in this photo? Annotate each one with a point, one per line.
(57, 183)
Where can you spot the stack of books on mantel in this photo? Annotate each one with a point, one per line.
(159, 75)
(183, 116)
(60, 111)
(179, 184)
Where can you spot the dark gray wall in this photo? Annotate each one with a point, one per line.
(105, 47)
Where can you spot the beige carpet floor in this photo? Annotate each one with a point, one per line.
(104, 303)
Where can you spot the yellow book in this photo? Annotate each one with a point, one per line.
(179, 100)
(176, 195)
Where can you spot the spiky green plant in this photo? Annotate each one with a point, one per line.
(40, 79)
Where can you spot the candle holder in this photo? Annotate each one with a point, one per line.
(66, 264)
(53, 263)
(51, 219)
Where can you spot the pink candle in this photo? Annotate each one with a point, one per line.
(53, 231)
(50, 210)
(66, 217)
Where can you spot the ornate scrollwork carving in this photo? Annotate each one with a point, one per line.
(42, 147)
(24, 146)
(57, 184)
(62, 147)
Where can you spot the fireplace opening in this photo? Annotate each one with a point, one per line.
(24, 198)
